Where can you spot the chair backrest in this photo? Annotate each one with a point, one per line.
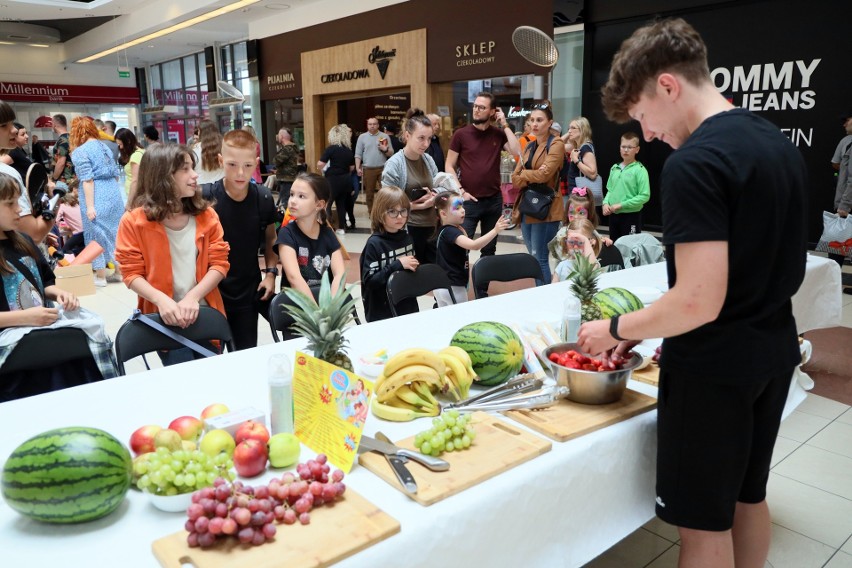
(280, 319)
(610, 257)
(404, 284)
(640, 249)
(504, 268)
(136, 338)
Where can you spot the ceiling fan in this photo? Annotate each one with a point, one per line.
(227, 95)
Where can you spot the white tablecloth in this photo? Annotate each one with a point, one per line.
(560, 509)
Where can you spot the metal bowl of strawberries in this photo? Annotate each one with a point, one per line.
(590, 380)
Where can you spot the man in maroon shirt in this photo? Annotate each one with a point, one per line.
(475, 153)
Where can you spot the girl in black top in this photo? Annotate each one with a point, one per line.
(389, 249)
(454, 245)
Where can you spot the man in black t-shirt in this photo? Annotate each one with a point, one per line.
(247, 214)
(734, 204)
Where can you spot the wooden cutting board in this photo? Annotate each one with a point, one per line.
(567, 420)
(350, 525)
(649, 375)
(499, 446)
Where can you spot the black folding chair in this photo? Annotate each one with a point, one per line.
(504, 268)
(280, 319)
(136, 338)
(610, 258)
(404, 284)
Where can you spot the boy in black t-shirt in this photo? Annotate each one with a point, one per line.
(734, 230)
(247, 214)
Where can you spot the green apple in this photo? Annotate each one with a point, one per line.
(169, 439)
(215, 442)
(284, 449)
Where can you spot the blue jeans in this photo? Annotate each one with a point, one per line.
(536, 236)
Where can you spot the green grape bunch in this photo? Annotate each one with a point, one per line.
(449, 432)
(167, 472)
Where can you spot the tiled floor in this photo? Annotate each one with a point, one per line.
(810, 485)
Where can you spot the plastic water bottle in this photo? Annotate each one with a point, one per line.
(570, 319)
(280, 394)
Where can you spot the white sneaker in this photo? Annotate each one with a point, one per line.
(341, 232)
(100, 282)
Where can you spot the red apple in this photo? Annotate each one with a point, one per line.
(251, 430)
(214, 410)
(189, 427)
(250, 458)
(142, 440)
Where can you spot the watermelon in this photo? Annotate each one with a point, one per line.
(67, 475)
(495, 351)
(616, 301)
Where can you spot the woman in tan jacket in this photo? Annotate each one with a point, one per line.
(540, 163)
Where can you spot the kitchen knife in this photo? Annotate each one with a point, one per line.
(388, 448)
(398, 464)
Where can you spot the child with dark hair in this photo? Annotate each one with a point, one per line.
(389, 249)
(454, 245)
(307, 246)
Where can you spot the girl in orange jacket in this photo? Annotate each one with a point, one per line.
(170, 244)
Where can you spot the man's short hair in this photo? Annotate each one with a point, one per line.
(665, 46)
(240, 139)
(151, 133)
(488, 96)
(111, 125)
(632, 136)
(60, 120)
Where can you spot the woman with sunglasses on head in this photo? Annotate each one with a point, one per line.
(389, 249)
(414, 171)
(540, 163)
(582, 156)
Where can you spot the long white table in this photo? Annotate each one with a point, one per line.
(560, 509)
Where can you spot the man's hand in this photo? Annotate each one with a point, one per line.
(360, 171)
(267, 285)
(594, 337)
(842, 213)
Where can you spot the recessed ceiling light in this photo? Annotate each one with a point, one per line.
(151, 45)
(278, 6)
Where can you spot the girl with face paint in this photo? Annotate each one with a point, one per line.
(454, 245)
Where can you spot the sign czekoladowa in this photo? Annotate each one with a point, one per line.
(378, 56)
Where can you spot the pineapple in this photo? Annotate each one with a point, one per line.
(322, 322)
(584, 285)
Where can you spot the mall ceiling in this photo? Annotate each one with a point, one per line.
(78, 20)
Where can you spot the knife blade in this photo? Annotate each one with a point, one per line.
(398, 465)
(388, 448)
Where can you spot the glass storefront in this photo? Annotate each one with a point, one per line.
(181, 86)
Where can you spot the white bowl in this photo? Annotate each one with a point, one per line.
(646, 294)
(171, 503)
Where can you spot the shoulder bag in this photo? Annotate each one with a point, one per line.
(595, 185)
(536, 198)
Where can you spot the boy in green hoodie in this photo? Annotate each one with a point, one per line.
(628, 190)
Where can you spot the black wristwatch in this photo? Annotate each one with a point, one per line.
(613, 328)
(273, 270)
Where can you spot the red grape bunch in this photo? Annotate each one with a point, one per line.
(249, 513)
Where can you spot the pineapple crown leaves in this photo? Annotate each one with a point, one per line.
(317, 320)
(584, 276)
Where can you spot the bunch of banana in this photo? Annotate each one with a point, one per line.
(404, 389)
(460, 373)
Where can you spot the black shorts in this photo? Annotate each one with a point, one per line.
(715, 444)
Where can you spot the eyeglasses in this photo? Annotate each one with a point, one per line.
(480, 107)
(540, 106)
(394, 213)
(629, 147)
